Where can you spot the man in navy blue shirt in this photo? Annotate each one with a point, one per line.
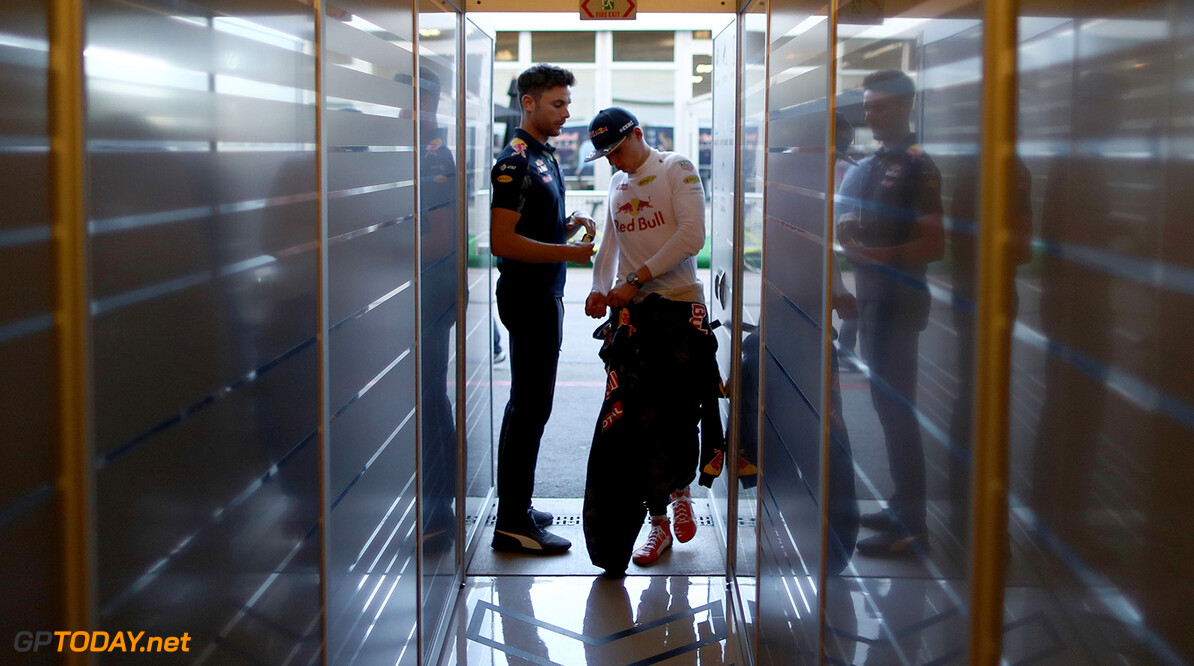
(529, 233)
(896, 233)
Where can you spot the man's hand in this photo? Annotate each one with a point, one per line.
(846, 305)
(596, 304)
(848, 229)
(579, 220)
(580, 253)
(859, 255)
(620, 295)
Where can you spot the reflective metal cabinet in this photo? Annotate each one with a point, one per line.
(30, 552)
(203, 273)
(372, 544)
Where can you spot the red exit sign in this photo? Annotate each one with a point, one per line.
(607, 9)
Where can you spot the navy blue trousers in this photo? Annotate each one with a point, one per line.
(536, 326)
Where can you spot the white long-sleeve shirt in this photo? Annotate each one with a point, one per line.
(655, 217)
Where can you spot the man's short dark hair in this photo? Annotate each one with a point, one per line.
(891, 82)
(429, 81)
(540, 78)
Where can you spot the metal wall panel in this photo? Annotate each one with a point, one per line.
(372, 300)
(734, 508)
(906, 384)
(791, 349)
(723, 239)
(440, 259)
(203, 235)
(1100, 427)
(29, 548)
(203, 275)
(478, 345)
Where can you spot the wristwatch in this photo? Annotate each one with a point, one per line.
(633, 279)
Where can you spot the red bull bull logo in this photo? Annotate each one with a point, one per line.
(637, 210)
(633, 206)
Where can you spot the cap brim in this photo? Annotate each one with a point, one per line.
(598, 154)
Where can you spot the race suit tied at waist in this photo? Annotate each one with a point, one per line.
(662, 382)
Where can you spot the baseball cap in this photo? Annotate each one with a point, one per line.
(609, 129)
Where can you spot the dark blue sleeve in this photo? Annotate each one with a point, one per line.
(506, 180)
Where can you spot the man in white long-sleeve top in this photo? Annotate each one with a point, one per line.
(655, 221)
(654, 227)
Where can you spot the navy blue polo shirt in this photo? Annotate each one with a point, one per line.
(527, 179)
(897, 186)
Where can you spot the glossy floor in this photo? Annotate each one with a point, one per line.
(900, 610)
(591, 620)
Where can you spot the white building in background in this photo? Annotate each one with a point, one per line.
(658, 66)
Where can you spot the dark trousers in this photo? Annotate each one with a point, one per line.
(890, 349)
(536, 325)
(841, 496)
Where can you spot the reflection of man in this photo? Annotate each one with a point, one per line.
(529, 233)
(658, 602)
(895, 235)
(608, 612)
(438, 230)
(520, 637)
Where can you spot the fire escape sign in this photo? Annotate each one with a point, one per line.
(607, 9)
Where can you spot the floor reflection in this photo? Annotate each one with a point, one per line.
(593, 621)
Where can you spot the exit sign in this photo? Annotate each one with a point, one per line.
(607, 9)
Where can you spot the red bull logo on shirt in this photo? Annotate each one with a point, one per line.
(633, 206)
(638, 218)
(519, 146)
